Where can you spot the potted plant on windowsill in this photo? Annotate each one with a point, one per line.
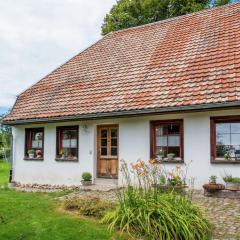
(30, 153)
(170, 156)
(86, 179)
(232, 183)
(159, 154)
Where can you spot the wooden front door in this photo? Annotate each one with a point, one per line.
(107, 151)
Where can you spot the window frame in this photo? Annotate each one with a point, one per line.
(37, 129)
(213, 138)
(153, 125)
(58, 138)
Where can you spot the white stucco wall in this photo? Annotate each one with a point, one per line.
(134, 144)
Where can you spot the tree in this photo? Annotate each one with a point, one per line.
(130, 13)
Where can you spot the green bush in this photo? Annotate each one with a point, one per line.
(89, 206)
(149, 213)
(86, 176)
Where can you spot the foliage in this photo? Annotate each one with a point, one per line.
(213, 179)
(86, 176)
(30, 151)
(230, 178)
(130, 13)
(4, 172)
(146, 212)
(89, 206)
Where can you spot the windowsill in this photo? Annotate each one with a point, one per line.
(171, 161)
(33, 159)
(223, 161)
(65, 160)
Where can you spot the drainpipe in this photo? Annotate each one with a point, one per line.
(11, 159)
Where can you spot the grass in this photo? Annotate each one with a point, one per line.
(36, 216)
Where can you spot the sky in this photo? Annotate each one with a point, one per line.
(38, 36)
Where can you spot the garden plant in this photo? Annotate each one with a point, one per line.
(149, 212)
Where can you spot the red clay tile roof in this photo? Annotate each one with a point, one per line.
(188, 60)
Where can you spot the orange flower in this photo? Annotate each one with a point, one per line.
(152, 161)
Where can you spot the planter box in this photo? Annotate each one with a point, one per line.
(232, 186)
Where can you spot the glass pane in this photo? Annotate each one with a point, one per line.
(235, 127)
(235, 139)
(103, 151)
(103, 133)
(113, 132)
(114, 142)
(37, 139)
(66, 143)
(37, 144)
(173, 141)
(71, 153)
(159, 131)
(173, 129)
(222, 150)
(175, 150)
(69, 134)
(104, 142)
(113, 151)
(163, 150)
(223, 139)
(237, 151)
(222, 128)
(161, 141)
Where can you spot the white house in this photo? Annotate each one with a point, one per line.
(172, 86)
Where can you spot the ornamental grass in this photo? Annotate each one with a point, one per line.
(146, 211)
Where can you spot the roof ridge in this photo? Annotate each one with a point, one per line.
(174, 18)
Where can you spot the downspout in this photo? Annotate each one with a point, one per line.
(11, 159)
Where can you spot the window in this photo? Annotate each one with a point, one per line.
(225, 139)
(34, 143)
(67, 143)
(167, 140)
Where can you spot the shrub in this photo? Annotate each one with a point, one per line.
(146, 212)
(89, 206)
(230, 178)
(86, 176)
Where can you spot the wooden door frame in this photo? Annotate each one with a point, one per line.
(97, 145)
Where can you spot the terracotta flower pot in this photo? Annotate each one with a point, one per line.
(211, 187)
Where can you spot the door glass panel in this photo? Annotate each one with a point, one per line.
(103, 142)
(113, 133)
(103, 151)
(103, 133)
(114, 142)
(113, 151)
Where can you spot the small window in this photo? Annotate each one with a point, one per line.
(34, 138)
(167, 140)
(225, 139)
(67, 143)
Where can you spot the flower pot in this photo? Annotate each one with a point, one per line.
(31, 155)
(86, 183)
(232, 186)
(170, 156)
(159, 158)
(211, 187)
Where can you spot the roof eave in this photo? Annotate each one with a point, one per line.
(127, 113)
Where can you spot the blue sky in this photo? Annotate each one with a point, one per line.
(3, 110)
(38, 36)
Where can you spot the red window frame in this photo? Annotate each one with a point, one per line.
(28, 142)
(153, 125)
(59, 141)
(213, 139)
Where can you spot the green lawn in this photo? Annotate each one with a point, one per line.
(36, 216)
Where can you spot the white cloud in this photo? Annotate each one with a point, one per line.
(38, 36)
